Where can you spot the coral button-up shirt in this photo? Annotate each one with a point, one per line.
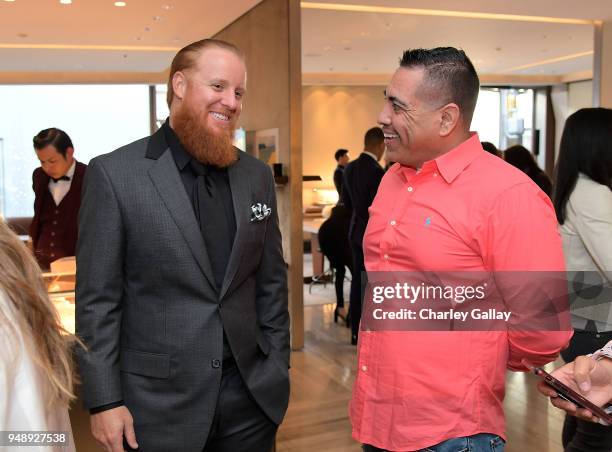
(468, 211)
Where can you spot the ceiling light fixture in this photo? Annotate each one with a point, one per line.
(66, 2)
(441, 13)
(120, 3)
(9, 1)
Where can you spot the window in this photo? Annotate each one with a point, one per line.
(98, 119)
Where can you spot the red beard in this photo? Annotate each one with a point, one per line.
(200, 142)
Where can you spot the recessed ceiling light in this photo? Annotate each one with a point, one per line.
(120, 3)
(9, 1)
(65, 2)
(167, 7)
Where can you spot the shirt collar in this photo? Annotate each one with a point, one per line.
(449, 165)
(70, 172)
(181, 156)
(371, 155)
(452, 163)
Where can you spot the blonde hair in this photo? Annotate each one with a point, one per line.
(47, 341)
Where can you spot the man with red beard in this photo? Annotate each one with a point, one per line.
(181, 284)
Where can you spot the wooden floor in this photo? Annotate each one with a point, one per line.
(322, 375)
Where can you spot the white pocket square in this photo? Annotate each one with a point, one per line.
(259, 212)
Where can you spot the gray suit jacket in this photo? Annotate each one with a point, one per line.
(147, 306)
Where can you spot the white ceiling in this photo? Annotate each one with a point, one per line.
(144, 35)
(373, 42)
(169, 24)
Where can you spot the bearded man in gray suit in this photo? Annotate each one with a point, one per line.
(181, 283)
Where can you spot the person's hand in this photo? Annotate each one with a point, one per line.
(591, 378)
(110, 426)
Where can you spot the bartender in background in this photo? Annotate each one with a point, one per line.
(57, 187)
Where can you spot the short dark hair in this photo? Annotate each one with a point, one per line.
(586, 147)
(490, 148)
(56, 137)
(449, 77)
(373, 138)
(340, 153)
(185, 59)
(520, 157)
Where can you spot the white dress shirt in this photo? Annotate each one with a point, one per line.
(587, 244)
(23, 405)
(61, 188)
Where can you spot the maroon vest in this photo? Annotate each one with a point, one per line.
(55, 228)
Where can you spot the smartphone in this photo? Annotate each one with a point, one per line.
(570, 395)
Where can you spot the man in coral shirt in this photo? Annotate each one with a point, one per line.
(447, 205)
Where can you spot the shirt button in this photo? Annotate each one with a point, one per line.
(410, 189)
(53, 234)
(386, 256)
(52, 255)
(54, 222)
(364, 368)
(56, 212)
(393, 223)
(52, 244)
(215, 363)
(435, 174)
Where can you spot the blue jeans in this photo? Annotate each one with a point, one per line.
(483, 442)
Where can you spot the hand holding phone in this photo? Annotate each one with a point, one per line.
(567, 393)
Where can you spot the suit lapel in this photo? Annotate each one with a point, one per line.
(241, 197)
(167, 180)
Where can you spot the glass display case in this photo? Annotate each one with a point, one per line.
(60, 286)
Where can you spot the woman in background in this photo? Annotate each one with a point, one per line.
(36, 375)
(520, 157)
(583, 204)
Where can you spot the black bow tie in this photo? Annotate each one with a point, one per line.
(60, 178)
